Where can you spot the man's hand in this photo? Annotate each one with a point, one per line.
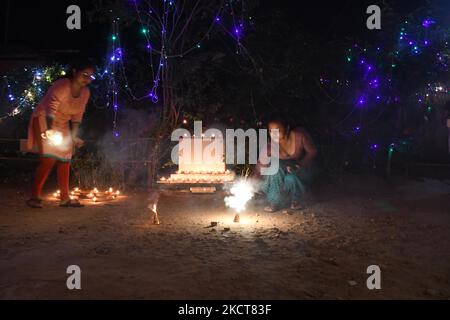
(77, 142)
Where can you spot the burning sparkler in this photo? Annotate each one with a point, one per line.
(241, 193)
(153, 208)
(55, 137)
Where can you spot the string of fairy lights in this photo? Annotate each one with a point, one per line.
(114, 74)
(37, 80)
(375, 93)
(159, 47)
(373, 80)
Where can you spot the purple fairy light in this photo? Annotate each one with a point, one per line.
(361, 101)
(427, 22)
(374, 83)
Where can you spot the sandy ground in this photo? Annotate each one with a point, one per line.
(321, 252)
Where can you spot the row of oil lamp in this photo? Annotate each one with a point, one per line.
(203, 172)
(93, 195)
(192, 180)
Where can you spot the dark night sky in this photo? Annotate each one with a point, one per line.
(41, 24)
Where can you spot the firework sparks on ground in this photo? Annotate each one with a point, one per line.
(241, 193)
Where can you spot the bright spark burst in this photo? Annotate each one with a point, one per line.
(242, 192)
(55, 137)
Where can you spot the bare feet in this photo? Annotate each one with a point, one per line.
(296, 206)
(271, 208)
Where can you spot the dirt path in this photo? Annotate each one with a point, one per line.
(322, 252)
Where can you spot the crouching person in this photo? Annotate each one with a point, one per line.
(296, 154)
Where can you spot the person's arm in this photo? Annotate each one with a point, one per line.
(310, 149)
(75, 129)
(47, 115)
(76, 122)
(74, 132)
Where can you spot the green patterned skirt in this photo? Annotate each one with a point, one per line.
(282, 188)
